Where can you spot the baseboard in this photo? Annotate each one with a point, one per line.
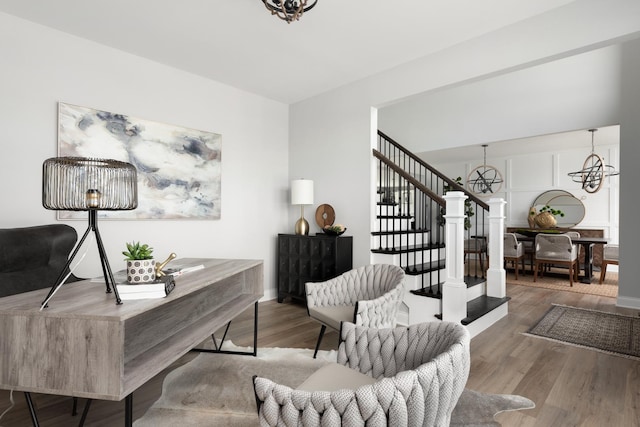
(628, 302)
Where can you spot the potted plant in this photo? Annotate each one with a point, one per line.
(334, 229)
(140, 263)
(468, 209)
(546, 216)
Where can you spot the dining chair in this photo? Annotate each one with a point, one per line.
(609, 256)
(476, 245)
(575, 235)
(555, 249)
(514, 252)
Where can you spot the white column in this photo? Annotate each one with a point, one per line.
(496, 275)
(454, 291)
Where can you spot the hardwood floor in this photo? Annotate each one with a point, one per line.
(571, 386)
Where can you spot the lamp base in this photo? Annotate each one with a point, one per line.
(302, 227)
(106, 268)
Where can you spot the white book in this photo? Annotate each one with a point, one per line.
(138, 288)
(146, 290)
(141, 295)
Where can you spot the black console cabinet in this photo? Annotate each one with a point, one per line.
(304, 259)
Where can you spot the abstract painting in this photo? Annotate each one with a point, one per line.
(179, 169)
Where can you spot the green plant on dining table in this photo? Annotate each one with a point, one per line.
(548, 209)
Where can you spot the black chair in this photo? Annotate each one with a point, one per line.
(32, 258)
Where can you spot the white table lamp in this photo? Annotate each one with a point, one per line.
(302, 194)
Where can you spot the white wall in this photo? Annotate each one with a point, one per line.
(41, 67)
(629, 294)
(572, 93)
(339, 122)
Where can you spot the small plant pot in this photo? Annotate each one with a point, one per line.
(141, 271)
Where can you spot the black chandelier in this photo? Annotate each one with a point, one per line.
(594, 171)
(289, 10)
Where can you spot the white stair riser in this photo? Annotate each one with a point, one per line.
(417, 309)
(388, 210)
(392, 224)
(487, 320)
(414, 282)
(398, 240)
(421, 257)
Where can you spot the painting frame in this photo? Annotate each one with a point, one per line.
(179, 168)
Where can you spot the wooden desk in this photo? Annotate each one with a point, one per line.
(86, 346)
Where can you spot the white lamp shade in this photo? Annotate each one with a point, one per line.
(302, 192)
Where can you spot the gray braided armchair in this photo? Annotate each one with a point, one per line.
(416, 373)
(368, 296)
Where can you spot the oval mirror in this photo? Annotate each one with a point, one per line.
(572, 207)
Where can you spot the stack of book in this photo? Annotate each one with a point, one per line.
(160, 288)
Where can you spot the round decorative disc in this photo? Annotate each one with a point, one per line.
(484, 179)
(325, 215)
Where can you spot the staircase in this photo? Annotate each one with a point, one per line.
(410, 230)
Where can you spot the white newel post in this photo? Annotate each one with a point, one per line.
(496, 275)
(454, 292)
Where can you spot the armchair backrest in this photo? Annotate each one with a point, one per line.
(33, 257)
(426, 367)
(362, 283)
(384, 352)
(611, 252)
(573, 234)
(512, 248)
(476, 244)
(555, 247)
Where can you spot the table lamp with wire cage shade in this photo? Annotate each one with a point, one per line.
(88, 184)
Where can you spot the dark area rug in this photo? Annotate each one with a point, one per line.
(217, 390)
(610, 333)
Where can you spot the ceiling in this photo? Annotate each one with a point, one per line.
(238, 42)
(606, 135)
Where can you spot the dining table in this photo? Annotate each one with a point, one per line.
(587, 244)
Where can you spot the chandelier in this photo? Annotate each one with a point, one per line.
(484, 179)
(594, 170)
(288, 10)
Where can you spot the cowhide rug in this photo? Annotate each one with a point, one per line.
(217, 390)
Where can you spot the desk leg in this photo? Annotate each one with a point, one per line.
(588, 263)
(85, 412)
(128, 410)
(217, 348)
(32, 409)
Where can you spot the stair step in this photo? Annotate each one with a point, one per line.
(435, 291)
(476, 308)
(399, 232)
(429, 292)
(403, 216)
(418, 269)
(407, 249)
(480, 306)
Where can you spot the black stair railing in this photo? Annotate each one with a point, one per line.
(411, 216)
